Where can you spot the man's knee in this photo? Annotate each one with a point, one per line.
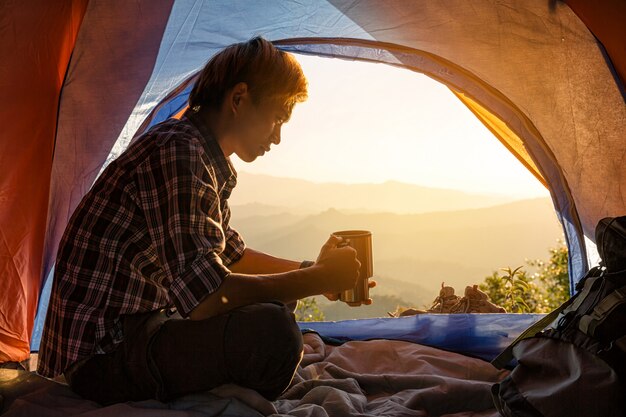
(271, 325)
(263, 346)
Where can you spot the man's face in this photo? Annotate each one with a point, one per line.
(258, 126)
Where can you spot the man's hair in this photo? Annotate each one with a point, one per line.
(271, 74)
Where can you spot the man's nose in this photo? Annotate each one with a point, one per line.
(276, 134)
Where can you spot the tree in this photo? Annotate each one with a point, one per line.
(542, 292)
(554, 277)
(308, 310)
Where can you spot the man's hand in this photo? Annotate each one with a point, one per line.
(333, 243)
(338, 266)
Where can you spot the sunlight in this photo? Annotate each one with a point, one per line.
(371, 123)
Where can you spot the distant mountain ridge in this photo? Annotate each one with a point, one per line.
(459, 248)
(391, 196)
(421, 236)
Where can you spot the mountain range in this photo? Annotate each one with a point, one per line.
(413, 253)
(391, 196)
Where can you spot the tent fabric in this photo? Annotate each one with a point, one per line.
(113, 60)
(606, 21)
(478, 335)
(534, 66)
(35, 44)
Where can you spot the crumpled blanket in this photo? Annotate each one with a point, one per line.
(388, 378)
(382, 378)
(359, 378)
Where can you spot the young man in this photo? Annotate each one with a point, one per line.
(154, 294)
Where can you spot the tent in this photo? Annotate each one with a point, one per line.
(80, 78)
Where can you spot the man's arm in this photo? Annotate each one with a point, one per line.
(256, 263)
(335, 270)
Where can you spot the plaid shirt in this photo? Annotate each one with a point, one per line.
(153, 232)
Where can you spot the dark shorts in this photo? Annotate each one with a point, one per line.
(164, 356)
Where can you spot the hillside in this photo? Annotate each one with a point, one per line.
(458, 247)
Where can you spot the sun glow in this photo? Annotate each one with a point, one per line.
(371, 123)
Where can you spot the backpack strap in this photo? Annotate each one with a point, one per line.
(590, 280)
(507, 354)
(589, 322)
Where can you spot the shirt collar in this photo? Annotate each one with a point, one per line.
(224, 169)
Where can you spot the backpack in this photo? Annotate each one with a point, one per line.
(578, 366)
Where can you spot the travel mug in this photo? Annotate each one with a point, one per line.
(361, 241)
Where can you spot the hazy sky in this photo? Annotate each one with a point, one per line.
(372, 123)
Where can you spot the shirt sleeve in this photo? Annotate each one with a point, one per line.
(177, 190)
(235, 245)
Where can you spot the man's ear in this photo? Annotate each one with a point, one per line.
(237, 94)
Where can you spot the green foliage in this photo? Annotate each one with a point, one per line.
(512, 289)
(308, 310)
(542, 292)
(553, 277)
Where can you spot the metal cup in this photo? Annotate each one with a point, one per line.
(361, 241)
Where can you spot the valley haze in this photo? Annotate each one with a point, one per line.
(421, 236)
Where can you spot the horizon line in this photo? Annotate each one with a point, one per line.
(512, 197)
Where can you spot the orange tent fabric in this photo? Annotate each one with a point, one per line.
(35, 58)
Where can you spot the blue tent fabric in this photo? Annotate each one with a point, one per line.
(479, 335)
